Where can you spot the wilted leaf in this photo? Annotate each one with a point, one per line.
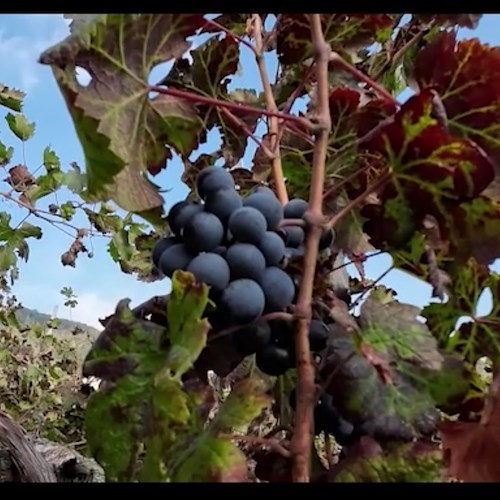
(407, 463)
(472, 448)
(213, 460)
(121, 128)
(246, 402)
(390, 385)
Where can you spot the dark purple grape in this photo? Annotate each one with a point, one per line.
(245, 261)
(223, 203)
(273, 360)
(268, 206)
(282, 333)
(318, 335)
(293, 236)
(295, 209)
(278, 289)
(181, 213)
(161, 246)
(176, 257)
(264, 190)
(213, 179)
(203, 232)
(211, 269)
(243, 300)
(326, 240)
(273, 248)
(247, 225)
(251, 338)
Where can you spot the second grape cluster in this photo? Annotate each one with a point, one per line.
(238, 246)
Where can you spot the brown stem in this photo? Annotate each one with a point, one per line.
(357, 201)
(273, 122)
(260, 441)
(345, 180)
(303, 423)
(218, 103)
(239, 123)
(293, 222)
(230, 34)
(368, 288)
(339, 61)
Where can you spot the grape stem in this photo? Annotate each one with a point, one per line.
(273, 444)
(272, 121)
(303, 422)
(293, 222)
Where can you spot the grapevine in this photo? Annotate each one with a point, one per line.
(254, 256)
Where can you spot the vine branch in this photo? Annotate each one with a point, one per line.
(303, 424)
(273, 122)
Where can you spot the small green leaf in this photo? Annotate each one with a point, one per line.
(51, 160)
(67, 210)
(20, 126)
(5, 154)
(11, 98)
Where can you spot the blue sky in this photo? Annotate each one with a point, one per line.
(98, 282)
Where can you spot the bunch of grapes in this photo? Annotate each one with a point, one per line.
(240, 248)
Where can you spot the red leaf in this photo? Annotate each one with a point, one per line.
(472, 449)
(468, 80)
(341, 31)
(156, 169)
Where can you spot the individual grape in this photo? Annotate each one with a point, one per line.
(326, 239)
(251, 338)
(181, 213)
(160, 247)
(212, 179)
(245, 261)
(203, 232)
(282, 333)
(223, 203)
(295, 209)
(211, 269)
(278, 288)
(243, 300)
(327, 418)
(268, 206)
(247, 225)
(175, 257)
(273, 248)
(273, 360)
(264, 190)
(293, 236)
(318, 335)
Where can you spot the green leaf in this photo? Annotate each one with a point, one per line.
(51, 160)
(246, 402)
(11, 98)
(5, 154)
(123, 130)
(20, 126)
(187, 331)
(67, 210)
(213, 460)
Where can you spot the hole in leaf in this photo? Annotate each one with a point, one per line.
(484, 305)
(83, 77)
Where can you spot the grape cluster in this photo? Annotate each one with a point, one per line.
(328, 419)
(240, 248)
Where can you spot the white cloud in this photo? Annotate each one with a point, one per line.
(19, 51)
(91, 307)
